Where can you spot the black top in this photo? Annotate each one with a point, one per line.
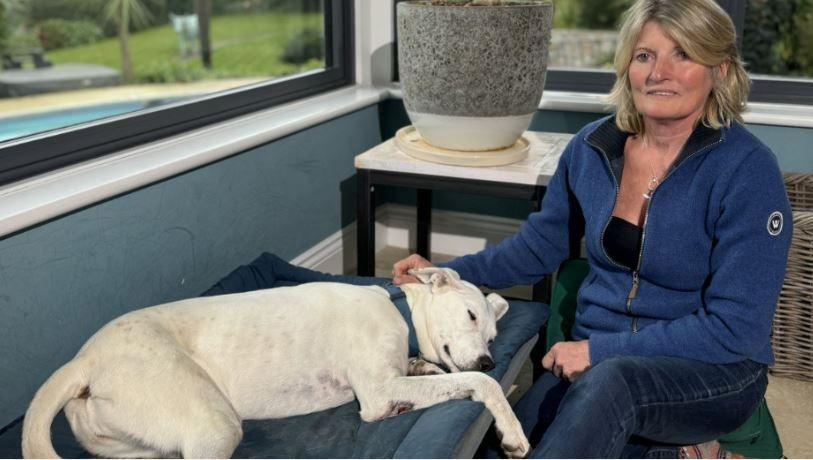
(622, 241)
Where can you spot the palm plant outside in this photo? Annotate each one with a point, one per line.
(124, 13)
(203, 8)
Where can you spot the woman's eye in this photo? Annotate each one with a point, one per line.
(642, 57)
(682, 54)
(472, 316)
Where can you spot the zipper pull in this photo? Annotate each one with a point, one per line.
(635, 282)
(633, 291)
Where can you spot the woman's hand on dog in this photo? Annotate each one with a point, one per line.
(400, 271)
(568, 360)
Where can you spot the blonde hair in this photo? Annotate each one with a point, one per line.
(705, 32)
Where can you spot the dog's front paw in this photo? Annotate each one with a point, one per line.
(418, 366)
(514, 443)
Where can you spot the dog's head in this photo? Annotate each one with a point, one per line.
(454, 321)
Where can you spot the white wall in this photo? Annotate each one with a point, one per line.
(374, 41)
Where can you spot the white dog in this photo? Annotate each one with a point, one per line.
(178, 379)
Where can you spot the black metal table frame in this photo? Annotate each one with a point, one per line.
(367, 179)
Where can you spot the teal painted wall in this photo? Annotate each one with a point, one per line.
(793, 148)
(63, 280)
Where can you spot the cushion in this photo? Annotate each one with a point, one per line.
(443, 431)
(569, 278)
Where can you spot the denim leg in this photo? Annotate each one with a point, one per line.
(664, 400)
(538, 406)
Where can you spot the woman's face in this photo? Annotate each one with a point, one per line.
(666, 84)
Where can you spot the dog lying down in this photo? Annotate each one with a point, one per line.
(178, 379)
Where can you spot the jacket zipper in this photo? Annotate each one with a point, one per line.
(636, 281)
(617, 187)
(635, 273)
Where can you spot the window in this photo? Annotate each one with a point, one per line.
(584, 33)
(776, 39)
(583, 44)
(79, 81)
(777, 47)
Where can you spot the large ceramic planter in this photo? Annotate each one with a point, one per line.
(472, 76)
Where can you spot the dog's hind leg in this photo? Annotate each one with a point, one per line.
(166, 403)
(401, 394)
(108, 447)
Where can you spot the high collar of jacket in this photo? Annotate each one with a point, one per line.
(610, 140)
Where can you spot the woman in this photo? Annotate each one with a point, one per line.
(687, 227)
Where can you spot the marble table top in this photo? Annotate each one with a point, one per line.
(536, 169)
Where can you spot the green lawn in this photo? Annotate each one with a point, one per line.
(243, 46)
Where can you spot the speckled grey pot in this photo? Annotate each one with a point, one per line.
(472, 76)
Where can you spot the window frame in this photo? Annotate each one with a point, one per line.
(39, 153)
(764, 88)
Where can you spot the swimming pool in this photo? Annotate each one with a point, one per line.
(15, 127)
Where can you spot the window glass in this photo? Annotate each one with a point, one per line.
(584, 33)
(66, 62)
(777, 38)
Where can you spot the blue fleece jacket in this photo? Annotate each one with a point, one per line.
(712, 259)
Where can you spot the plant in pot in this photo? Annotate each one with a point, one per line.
(472, 71)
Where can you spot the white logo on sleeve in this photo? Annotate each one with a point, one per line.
(775, 223)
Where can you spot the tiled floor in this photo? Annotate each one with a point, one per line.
(791, 405)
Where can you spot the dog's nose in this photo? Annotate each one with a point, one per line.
(486, 364)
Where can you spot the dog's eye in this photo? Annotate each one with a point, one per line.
(472, 316)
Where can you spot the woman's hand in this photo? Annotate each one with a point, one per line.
(568, 360)
(400, 270)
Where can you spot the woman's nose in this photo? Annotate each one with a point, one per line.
(661, 70)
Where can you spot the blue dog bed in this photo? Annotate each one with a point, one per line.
(452, 429)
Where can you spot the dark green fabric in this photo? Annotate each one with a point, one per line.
(563, 300)
(756, 438)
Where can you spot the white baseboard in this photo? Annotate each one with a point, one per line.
(327, 255)
(453, 233)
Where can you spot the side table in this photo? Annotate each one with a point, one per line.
(385, 164)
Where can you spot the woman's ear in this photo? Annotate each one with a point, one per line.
(721, 70)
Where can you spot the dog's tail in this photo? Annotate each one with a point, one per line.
(68, 382)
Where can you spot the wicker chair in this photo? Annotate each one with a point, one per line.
(792, 337)
(800, 191)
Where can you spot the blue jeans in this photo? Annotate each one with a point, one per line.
(635, 407)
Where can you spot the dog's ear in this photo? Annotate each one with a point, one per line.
(438, 277)
(498, 304)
